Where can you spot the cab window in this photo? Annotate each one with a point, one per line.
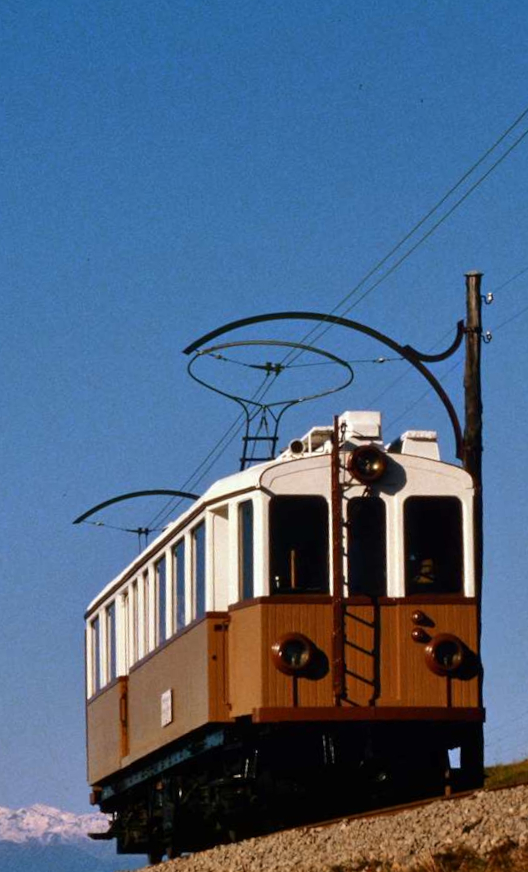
(433, 545)
(367, 551)
(299, 545)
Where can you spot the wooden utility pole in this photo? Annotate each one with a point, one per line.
(338, 635)
(472, 386)
(472, 456)
(473, 753)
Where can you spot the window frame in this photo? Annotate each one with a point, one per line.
(384, 539)
(274, 550)
(246, 585)
(111, 642)
(199, 570)
(179, 596)
(95, 676)
(160, 595)
(460, 555)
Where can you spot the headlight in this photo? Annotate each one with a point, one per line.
(445, 654)
(293, 653)
(367, 464)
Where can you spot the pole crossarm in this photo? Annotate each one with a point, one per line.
(409, 354)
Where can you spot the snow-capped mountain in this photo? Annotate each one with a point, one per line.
(44, 839)
(48, 824)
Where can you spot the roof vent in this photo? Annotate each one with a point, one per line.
(361, 426)
(420, 443)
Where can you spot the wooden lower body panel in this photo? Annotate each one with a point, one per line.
(177, 689)
(384, 665)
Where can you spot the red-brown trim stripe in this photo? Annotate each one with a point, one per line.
(367, 713)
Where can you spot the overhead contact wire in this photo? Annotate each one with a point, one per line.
(319, 332)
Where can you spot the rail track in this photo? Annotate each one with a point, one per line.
(448, 796)
(480, 826)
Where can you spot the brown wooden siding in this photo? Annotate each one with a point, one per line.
(193, 665)
(384, 665)
(105, 731)
(221, 668)
(254, 681)
(315, 622)
(245, 637)
(405, 678)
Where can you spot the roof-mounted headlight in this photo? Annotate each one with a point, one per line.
(367, 464)
(293, 653)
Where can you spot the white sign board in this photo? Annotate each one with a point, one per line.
(166, 708)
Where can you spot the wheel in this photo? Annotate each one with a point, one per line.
(173, 853)
(155, 855)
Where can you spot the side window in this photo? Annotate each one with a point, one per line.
(111, 647)
(96, 656)
(198, 538)
(134, 637)
(367, 550)
(161, 600)
(245, 534)
(433, 545)
(178, 555)
(299, 545)
(146, 613)
(125, 601)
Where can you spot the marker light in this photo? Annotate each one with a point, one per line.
(420, 635)
(293, 653)
(420, 618)
(367, 463)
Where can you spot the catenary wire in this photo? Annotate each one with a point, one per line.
(237, 425)
(408, 370)
(432, 211)
(211, 458)
(446, 374)
(225, 441)
(220, 445)
(510, 280)
(510, 319)
(423, 395)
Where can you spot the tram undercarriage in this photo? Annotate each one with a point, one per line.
(267, 777)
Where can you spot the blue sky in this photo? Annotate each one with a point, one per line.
(168, 167)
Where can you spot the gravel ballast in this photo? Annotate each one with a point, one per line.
(479, 823)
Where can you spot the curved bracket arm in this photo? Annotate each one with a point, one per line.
(130, 496)
(436, 358)
(407, 352)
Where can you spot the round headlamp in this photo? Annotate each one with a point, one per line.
(445, 654)
(293, 653)
(367, 463)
